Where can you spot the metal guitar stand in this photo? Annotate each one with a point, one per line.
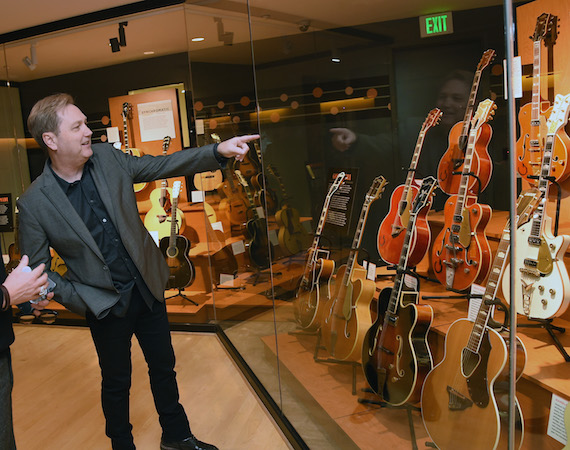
(184, 296)
(354, 364)
(409, 408)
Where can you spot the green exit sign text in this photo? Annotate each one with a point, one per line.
(436, 24)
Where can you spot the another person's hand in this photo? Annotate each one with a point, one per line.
(24, 286)
(342, 138)
(236, 146)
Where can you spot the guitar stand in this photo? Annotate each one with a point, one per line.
(406, 406)
(180, 294)
(260, 274)
(354, 364)
(558, 199)
(547, 325)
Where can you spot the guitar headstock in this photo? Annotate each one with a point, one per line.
(165, 144)
(486, 59)
(546, 29)
(559, 115)
(176, 186)
(432, 119)
(257, 150)
(484, 113)
(424, 194)
(127, 110)
(378, 186)
(241, 178)
(527, 202)
(336, 183)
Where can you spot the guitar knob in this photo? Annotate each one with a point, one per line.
(474, 210)
(552, 246)
(552, 291)
(541, 289)
(544, 303)
(390, 366)
(394, 379)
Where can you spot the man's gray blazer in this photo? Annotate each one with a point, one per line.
(47, 219)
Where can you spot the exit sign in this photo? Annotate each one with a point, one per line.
(436, 24)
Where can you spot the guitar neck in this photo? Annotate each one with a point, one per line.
(392, 309)
(352, 257)
(486, 307)
(414, 163)
(463, 187)
(173, 224)
(250, 200)
(471, 102)
(535, 109)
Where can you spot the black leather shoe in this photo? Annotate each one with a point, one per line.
(190, 443)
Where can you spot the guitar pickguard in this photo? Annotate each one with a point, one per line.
(477, 383)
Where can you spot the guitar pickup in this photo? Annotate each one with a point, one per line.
(531, 263)
(451, 248)
(533, 240)
(457, 218)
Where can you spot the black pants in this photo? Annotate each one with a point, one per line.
(112, 337)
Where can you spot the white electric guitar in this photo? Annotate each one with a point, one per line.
(540, 255)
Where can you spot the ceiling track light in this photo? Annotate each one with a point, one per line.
(31, 61)
(121, 41)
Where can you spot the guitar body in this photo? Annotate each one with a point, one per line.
(547, 294)
(258, 245)
(15, 257)
(451, 164)
(248, 167)
(181, 268)
(292, 236)
(310, 302)
(264, 195)
(235, 209)
(158, 219)
(397, 359)
(467, 412)
(473, 255)
(208, 181)
(392, 230)
(345, 323)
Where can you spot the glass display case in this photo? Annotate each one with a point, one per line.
(355, 263)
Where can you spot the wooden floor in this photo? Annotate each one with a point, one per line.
(56, 395)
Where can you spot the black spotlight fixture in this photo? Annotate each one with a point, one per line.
(121, 41)
(114, 43)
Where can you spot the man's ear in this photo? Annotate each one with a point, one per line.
(50, 140)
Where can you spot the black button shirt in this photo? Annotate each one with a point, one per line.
(6, 331)
(85, 198)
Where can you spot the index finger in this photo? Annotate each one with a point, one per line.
(249, 137)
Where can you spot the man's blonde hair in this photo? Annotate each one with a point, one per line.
(44, 116)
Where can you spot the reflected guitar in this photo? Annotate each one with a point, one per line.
(128, 115)
(391, 233)
(461, 254)
(532, 116)
(234, 204)
(159, 216)
(451, 164)
(465, 393)
(175, 250)
(258, 246)
(309, 302)
(346, 317)
(264, 196)
(292, 236)
(395, 352)
(540, 255)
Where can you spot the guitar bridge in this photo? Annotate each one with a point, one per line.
(457, 401)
